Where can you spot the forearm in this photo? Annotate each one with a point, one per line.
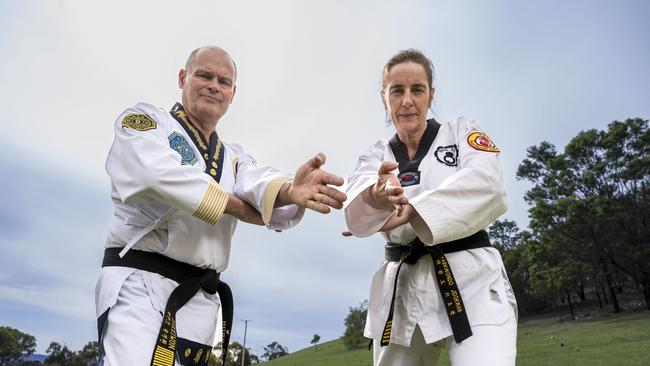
(243, 211)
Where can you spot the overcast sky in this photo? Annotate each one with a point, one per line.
(309, 79)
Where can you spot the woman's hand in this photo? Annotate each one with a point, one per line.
(395, 220)
(387, 193)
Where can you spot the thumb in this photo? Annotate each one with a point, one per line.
(317, 161)
(387, 167)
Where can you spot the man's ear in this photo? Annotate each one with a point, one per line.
(181, 78)
(234, 91)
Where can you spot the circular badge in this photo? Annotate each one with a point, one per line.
(480, 141)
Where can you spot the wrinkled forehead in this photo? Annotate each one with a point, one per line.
(213, 60)
(407, 72)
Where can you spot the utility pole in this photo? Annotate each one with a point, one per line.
(243, 348)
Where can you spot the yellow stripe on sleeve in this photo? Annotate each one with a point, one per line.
(270, 194)
(213, 204)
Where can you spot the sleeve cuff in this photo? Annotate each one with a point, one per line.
(212, 205)
(270, 194)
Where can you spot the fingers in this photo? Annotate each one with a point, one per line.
(318, 207)
(333, 193)
(317, 161)
(387, 167)
(329, 178)
(328, 201)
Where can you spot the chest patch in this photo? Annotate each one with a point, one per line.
(179, 144)
(407, 179)
(447, 155)
(480, 141)
(138, 122)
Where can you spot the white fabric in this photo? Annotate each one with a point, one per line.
(455, 202)
(490, 345)
(154, 196)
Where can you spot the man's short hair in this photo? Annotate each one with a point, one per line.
(190, 60)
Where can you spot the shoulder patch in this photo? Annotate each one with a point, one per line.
(480, 141)
(179, 144)
(139, 122)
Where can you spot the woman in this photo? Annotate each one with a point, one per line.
(431, 190)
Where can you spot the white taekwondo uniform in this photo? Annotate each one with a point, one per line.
(169, 188)
(460, 192)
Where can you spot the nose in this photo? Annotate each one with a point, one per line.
(214, 87)
(407, 101)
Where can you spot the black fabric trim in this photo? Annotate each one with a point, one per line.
(190, 353)
(213, 151)
(400, 151)
(184, 123)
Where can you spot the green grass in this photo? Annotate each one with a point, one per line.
(601, 340)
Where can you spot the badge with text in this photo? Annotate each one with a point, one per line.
(480, 141)
(407, 179)
(447, 155)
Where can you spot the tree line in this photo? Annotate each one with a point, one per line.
(589, 229)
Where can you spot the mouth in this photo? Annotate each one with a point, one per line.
(407, 115)
(211, 99)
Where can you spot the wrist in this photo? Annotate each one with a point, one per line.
(284, 194)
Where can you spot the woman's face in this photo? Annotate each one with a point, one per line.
(407, 96)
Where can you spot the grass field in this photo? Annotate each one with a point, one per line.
(598, 340)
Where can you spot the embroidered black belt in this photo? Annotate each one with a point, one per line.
(191, 279)
(446, 282)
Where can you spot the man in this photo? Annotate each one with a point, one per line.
(178, 192)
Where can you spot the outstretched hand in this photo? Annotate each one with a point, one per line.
(387, 193)
(310, 187)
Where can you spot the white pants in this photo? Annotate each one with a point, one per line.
(490, 345)
(135, 318)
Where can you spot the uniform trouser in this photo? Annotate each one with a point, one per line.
(134, 321)
(490, 345)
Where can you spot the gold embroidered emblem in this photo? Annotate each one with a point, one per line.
(139, 122)
(188, 352)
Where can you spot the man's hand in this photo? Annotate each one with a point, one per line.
(243, 211)
(387, 193)
(309, 188)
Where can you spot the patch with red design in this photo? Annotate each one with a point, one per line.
(482, 142)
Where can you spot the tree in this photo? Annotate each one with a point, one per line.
(590, 207)
(59, 355)
(315, 341)
(355, 323)
(274, 350)
(504, 235)
(14, 345)
(89, 355)
(234, 356)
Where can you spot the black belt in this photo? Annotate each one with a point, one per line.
(446, 282)
(191, 279)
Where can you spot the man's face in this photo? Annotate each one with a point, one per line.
(208, 86)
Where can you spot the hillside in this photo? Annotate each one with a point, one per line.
(604, 340)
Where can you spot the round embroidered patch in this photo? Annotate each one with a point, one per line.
(480, 141)
(139, 122)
